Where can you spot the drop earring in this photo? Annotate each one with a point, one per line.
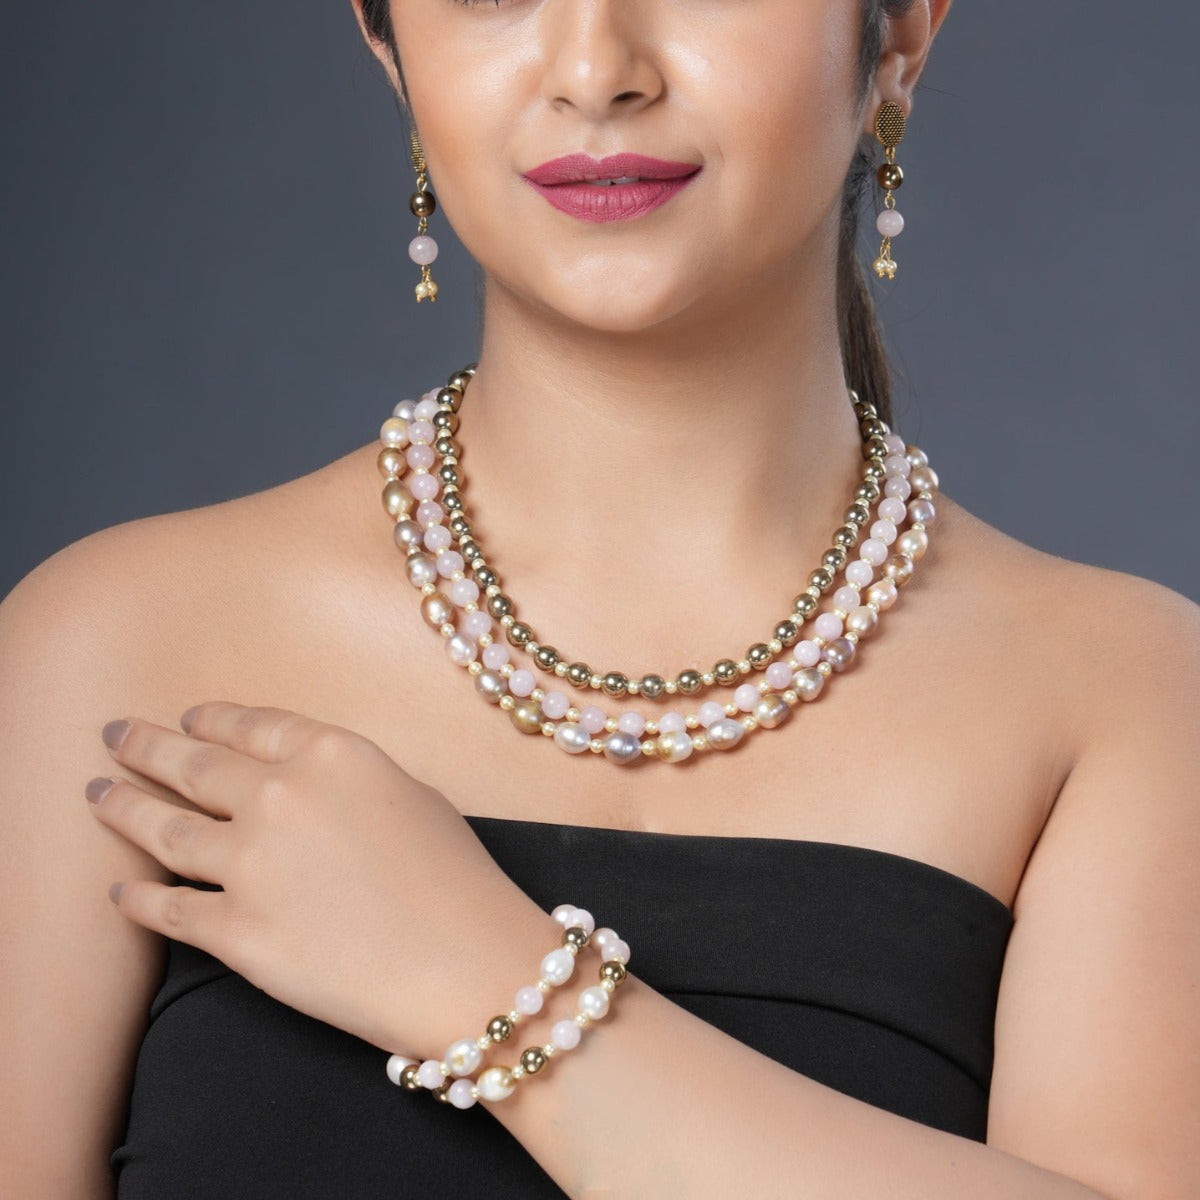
(422, 249)
(889, 130)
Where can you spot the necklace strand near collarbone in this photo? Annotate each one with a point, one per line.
(462, 598)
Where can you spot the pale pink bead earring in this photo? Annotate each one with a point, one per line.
(422, 249)
(889, 130)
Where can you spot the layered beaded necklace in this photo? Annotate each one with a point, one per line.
(462, 598)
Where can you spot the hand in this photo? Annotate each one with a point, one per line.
(352, 891)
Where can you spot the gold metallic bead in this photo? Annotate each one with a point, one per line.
(447, 447)
(486, 578)
(499, 1029)
(442, 1093)
(445, 421)
(533, 1059)
(771, 711)
(519, 634)
(499, 604)
(546, 657)
(845, 537)
(408, 1078)
(422, 204)
(899, 569)
(470, 550)
(450, 397)
(397, 499)
(889, 176)
(821, 578)
(859, 513)
(759, 655)
(579, 673)
(437, 609)
(688, 682)
(527, 716)
(615, 684)
(614, 971)
(576, 936)
(804, 605)
(448, 474)
(725, 671)
(459, 380)
(652, 686)
(834, 559)
(787, 632)
(452, 501)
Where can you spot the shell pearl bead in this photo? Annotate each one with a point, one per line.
(557, 967)
(464, 1057)
(571, 737)
(593, 1002)
(582, 918)
(616, 950)
(603, 938)
(395, 1068)
(430, 1073)
(495, 1083)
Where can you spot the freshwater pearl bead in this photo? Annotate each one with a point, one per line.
(522, 682)
(529, 1001)
(593, 1002)
(622, 747)
(557, 967)
(462, 1093)
(461, 649)
(405, 410)
(889, 222)
(464, 1057)
(725, 734)
(675, 745)
(883, 593)
(429, 1074)
(565, 1035)
(923, 511)
(491, 685)
(582, 918)
(495, 1083)
(571, 737)
(561, 912)
(395, 1065)
(423, 250)
(604, 937)
(808, 683)
(615, 949)
(407, 533)
(421, 569)
(394, 432)
(862, 620)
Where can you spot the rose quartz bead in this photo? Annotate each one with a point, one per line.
(459, 1093)
(893, 464)
(709, 712)
(422, 250)
(419, 458)
(465, 591)
(893, 443)
(565, 1035)
(898, 486)
(631, 722)
(477, 624)
(891, 508)
(437, 538)
(555, 705)
(889, 222)
(828, 625)
(429, 1074)
(846, 598)
(521, 682)
(779, 675)
(430, 512)
(421, 432)
(884, 531)
(807, 653)
(859, 573)
(495, 656)
(449, 561)
(592, 718)
(529, 1001)
(428, 408)
(424, 486)
(671, 722)
(873, 551)
(746, 696)
(396, 1065)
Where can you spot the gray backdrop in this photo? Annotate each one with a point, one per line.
(206, 287)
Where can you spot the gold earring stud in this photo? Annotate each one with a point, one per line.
(889, 131)
(422, 249)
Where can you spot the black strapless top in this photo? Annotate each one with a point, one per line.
(870, 972)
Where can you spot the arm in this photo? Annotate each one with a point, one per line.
(76, 984)
(1096, 1085)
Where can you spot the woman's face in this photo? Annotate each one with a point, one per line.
(758, 93)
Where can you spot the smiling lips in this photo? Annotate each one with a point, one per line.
(617, 188)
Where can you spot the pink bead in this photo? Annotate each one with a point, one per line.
(859, 573)
(430, 512)
(891, 508)
(604, 937)
(424, 485)
(448, 562)
(459, 1093)
(873, 551)
(846, 598)
(437, 537)
(419, 457)
(422, 250)
(429, 1074)
(565, 1034)
(478, 623)
(582, 918)
(427, 408)
(883, 531)
(529, 1001)
(555, 705)
(898, 486)
(746, 696)
(671, 722)
(465, 591)
(561, 912)
(615, 949)
(631, 722)
(889, 222)
(894, 443)
(828, 625)
(421, 431)
(779, 675)
(807, 653)
(431, 394)
(709, 712)
(592, 718)
(894, 464)
(521, 682)
(495, 656)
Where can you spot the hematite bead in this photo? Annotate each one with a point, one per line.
(546, 657)
(759, 655)
(533, 1059)
(499, 1029)
(615, 684)
(518, 633)
(726, 671)
(614, 971)
(652, 686)
(579, 673)
(689, 682)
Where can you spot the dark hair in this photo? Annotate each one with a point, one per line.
(863, 353)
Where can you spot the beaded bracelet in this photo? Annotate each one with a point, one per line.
(466, 1055)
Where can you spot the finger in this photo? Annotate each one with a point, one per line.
(191, 844)
(186, 914)
(211, 776)
(268, 734)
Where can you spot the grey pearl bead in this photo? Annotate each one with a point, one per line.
(839, 653)
(571, 737)
(408, 533)
(491, 685)
(622, 747)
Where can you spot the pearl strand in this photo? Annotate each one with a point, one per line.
(466, 1055)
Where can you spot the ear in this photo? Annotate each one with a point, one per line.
(381, 50)
(906, 46)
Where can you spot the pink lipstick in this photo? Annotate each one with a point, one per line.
(617, 188)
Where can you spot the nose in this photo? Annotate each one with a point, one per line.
(599, 57)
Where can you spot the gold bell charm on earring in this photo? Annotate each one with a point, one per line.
(889, 130)
(422, 249)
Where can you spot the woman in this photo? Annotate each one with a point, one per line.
(961, 964)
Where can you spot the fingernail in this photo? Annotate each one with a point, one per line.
(114, 891)
(97, 788)
(185, 721)
(114, 733)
